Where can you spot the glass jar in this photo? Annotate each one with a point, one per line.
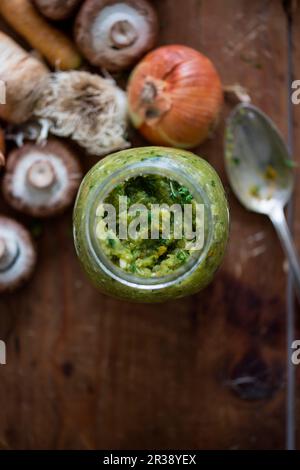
(180, 166)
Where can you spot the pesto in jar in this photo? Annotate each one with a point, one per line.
(144, 256)
(150, 270)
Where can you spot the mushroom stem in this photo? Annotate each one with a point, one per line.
(8, 253)
(123, 34)
(114, 34)
(17, 254)
(41, 180)
(41, 175)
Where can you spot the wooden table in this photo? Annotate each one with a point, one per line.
(209, 371)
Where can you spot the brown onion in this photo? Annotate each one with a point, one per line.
(175, 96)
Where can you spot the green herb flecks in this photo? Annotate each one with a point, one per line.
(182, 255)
(235, 161)
(255, 191)
(181, 194)
(290, 163)
(111, 242)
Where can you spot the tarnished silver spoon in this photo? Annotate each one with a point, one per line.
(260, 172)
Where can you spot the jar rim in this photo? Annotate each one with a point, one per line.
(162, 166)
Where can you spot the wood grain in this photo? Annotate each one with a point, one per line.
(86, 371)
(296, 225)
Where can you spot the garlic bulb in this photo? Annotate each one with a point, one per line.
(87, 108)
(22, 75)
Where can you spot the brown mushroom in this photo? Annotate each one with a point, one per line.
(114, 34)
(41, 180)
(17, 255)
(56, 9)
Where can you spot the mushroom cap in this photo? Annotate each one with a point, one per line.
(41, 180)
(114, 34)
(56, 9)
(17, 255)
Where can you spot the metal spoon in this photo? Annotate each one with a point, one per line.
(260, 172)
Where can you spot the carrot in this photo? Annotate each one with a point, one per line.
(2, 141)
(51, 43)
(21, 74)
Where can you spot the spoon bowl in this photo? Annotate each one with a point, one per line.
(257, 160)
(260, 172)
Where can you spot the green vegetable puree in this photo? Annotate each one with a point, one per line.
(148, 257)
(137, 266)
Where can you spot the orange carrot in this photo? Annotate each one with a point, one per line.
(51, 43)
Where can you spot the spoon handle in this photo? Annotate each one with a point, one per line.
(279, 221)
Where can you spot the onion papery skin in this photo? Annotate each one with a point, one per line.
(175, 96)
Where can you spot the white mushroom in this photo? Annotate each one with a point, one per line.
(17, 255)
(114, 34)
(41, 180)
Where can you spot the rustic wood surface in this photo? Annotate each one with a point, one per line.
(209, 371)
(296, 224)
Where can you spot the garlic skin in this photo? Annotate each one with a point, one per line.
(87, 108)
(17, 255)
(41, 181)
(114, 34)
(22, 75)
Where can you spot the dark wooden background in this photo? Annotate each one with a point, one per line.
(209, 371)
